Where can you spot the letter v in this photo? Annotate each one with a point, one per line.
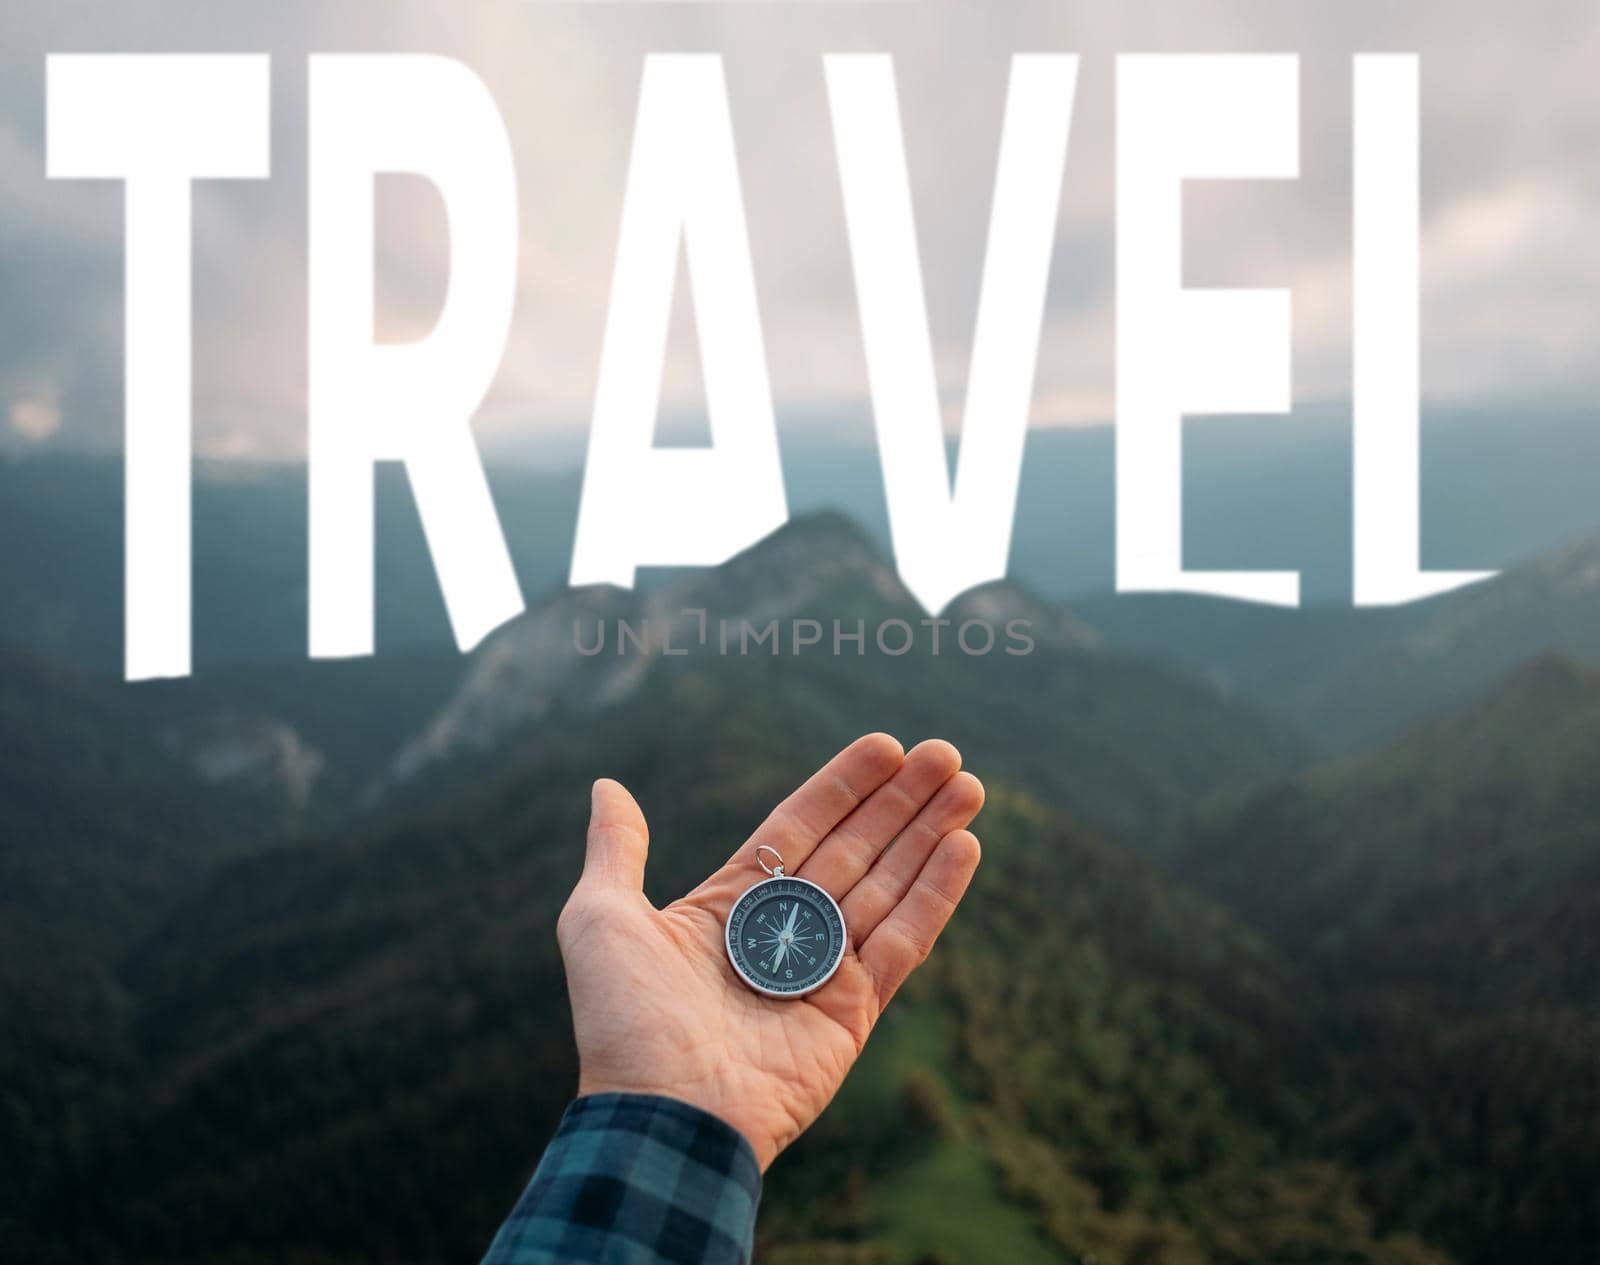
(944, 543)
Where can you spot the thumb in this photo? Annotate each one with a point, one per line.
(618, 839)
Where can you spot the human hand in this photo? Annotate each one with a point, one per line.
(656, 1006)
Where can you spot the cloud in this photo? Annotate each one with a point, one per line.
(1511, 189)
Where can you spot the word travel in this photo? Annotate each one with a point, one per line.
(160, 123)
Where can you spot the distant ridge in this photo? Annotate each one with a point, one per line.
(1344, 676)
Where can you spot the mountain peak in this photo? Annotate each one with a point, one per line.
(821, 536)
(822, 527)
(817, 567)
(815, 556)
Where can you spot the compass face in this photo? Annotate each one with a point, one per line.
(785, 937)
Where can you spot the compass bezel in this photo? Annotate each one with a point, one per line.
(813, 893)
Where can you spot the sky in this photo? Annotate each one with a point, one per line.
(1511, 201)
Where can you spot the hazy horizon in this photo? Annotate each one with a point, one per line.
(1265, 493)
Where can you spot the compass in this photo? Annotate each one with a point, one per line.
(785, 935)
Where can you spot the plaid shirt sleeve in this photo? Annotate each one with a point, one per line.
(632, 1179)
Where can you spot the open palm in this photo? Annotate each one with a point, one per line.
(658, 1009)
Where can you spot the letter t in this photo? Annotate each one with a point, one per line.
(158, 123)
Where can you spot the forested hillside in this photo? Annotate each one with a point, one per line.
(1446, 892)
(279, 977)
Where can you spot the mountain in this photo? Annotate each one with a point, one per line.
(279, 980)
(1343, 676)
(353, 1050)
(1490, 814)
(192, 894)
(1118, 741)
(1445, 890)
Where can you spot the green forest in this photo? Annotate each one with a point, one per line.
(1231, 988)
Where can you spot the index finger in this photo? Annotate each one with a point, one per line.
(806, 817)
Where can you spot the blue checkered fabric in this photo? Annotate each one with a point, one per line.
(631, 1179)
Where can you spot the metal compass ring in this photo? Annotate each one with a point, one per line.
(775, 870)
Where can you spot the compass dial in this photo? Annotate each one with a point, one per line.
(785, 937)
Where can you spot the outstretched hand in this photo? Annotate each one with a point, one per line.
(658, 1009)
